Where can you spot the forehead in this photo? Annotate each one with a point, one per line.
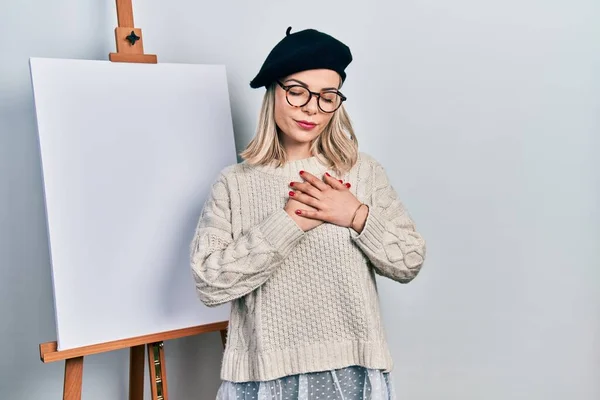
(317, 79)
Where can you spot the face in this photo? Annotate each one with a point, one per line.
(301, 125)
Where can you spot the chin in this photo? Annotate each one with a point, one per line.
(304, 137)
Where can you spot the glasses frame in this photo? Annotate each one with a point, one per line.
(310, 96)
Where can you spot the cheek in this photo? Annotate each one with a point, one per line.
(281, 111)
(325, 120)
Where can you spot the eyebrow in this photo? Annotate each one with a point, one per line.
(304, 84)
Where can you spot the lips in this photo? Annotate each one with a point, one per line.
(306, 124)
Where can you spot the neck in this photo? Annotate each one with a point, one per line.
(298, 155)
(296, 151)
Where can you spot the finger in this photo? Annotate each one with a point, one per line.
(307, 188)
(313, 180)
(333, 182)
(309, 214)
(304, 199)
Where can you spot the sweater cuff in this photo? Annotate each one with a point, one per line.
(281, 231)
(371, 236)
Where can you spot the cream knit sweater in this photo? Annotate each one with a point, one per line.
(301, 301)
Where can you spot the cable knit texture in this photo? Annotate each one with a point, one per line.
(300, 301)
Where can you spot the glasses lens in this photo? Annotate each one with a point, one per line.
(298, 96)
(329, 101)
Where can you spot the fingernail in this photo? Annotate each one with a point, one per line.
(292, 193)
(298, 212)
(341, 181)
(291, 183)
(301, 172)
(348, 185)
(327, 173)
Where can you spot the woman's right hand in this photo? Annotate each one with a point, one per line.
(305, 224)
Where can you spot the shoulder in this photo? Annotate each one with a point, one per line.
(231, 171)
(365, 158)
(221, 182)
(369, 165)
(229, 176)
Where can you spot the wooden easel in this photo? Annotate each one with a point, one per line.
(129, 49)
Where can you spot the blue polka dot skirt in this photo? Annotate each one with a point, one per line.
(351, 383)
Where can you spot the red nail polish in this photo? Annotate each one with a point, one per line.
(298, 212)
(292, 193)
(291, 183)
(327, 173)
(348, 185)
(341, 181)
(301, 172)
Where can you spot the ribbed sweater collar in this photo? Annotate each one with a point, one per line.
(316, 165)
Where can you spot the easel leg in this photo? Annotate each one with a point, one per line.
(73, 378)
(158, 371)
(136, 373)
(163, 371)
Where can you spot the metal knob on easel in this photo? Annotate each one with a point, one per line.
(130, 44)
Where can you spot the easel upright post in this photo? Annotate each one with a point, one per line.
(130, 48)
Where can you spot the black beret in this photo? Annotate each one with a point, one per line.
(301, 51)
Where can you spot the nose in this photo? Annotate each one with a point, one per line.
(311, 108)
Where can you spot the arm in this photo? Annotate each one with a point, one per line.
(388, 236)
(225, 268)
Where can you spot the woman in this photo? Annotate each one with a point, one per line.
(294, 235)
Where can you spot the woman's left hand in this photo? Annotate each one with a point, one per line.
(333, 201)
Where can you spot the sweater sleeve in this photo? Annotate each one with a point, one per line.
(225, 268)
(389, 238)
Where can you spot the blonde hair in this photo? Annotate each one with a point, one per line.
(337, 145)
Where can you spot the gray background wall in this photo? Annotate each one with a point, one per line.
(486, 117)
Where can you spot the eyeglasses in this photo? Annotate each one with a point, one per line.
(299, 96)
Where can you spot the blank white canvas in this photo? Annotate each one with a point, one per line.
(129, 153)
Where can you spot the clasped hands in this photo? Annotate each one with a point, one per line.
(315, 201)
